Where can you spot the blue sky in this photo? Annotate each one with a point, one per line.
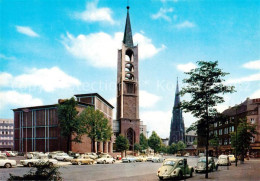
(54, 49)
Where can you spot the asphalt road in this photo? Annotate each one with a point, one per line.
(119, 171)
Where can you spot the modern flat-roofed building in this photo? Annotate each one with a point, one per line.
(6, 134)
(37, 128)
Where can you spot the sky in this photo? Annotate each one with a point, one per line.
(55, 49)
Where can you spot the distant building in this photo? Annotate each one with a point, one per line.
(143, 129)
(6, 134)
(165, 141)
(37, 128)
(190, 137)
(177, 132)
(222, 127)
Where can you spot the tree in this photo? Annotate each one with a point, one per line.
(245, 132)
(214, 142)
(205, 84)
(163, 149)
(122, 144)
(172, 149)
(137, 147)
(143, 142)
(96, 126)
(69, 125)
(154, 142)
(181, 146)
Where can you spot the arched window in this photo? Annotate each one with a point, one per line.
(129, 55)
(130, 135)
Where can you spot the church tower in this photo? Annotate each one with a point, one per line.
(128, 87)
(177, 132)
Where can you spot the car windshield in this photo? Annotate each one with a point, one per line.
(202, 160)
(169, 162)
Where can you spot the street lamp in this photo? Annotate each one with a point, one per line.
(26, 111)
(236, 136)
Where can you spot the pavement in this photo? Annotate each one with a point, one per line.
(144, 171)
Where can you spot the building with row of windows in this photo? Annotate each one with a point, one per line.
(6, 134)
(37, 128)
(227, 123)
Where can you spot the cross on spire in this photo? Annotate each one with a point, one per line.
(128, 39)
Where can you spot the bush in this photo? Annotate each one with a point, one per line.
(42, 171)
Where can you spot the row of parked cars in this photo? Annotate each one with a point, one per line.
(178, 167)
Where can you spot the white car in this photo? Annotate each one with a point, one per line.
(129, 159)
(223, 160)
(38, 160)
(62, 157)
(106, 159)
(149, 158)
(5, 162)
(158, 159)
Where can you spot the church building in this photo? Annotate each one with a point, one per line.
(177, 132)
(127, 114)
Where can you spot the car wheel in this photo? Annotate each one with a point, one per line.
(216, 167)
(30, 164)
(160, 178)
(211, 169)
(196, 171)
(8, 165)
(79, 163)
(50, 164)
(64, 159)
(104, 162)
(113, 161)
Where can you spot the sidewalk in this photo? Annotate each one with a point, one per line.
(250, 170)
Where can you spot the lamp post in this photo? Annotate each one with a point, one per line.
(26, 111)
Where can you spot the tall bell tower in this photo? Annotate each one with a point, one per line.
(128, 87)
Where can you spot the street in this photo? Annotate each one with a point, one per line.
(142, 171)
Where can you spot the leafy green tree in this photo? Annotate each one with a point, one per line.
(96, 126)
(214, 142)
(205, 86)
(154, 142)
(143, 142)
(163, 148)
(137, 147)
(69, 125)
(245, 132)
(173, 148)
(181, 146)
(122, 144)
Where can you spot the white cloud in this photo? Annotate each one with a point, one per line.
(185, 24)
(252, 64)
(255, 95)
(147, 99)
(250, 78)
(162, 14)
(93, 14)
(158, 121)
(16, 99)
(100, 49)
(2, 56)
(186, 67)
(27, 31)
(46, 79)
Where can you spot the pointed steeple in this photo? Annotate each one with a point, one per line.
(128, 39)
(177, 96)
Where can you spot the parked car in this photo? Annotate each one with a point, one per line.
(5, 162)
(178, 154)
(38, 160)
(83, 159)
(141, 158)
(175, 168)
(31, 155)
(92, 155)
(232, 158)
(201, 165)
(223, 160)
(129, 159)
(106, 159)
(187, 155)
(10, 154)
(52, 154)
(201, 154)
(73, 154)
(149, 158)
(62, 157)
(158, 158)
